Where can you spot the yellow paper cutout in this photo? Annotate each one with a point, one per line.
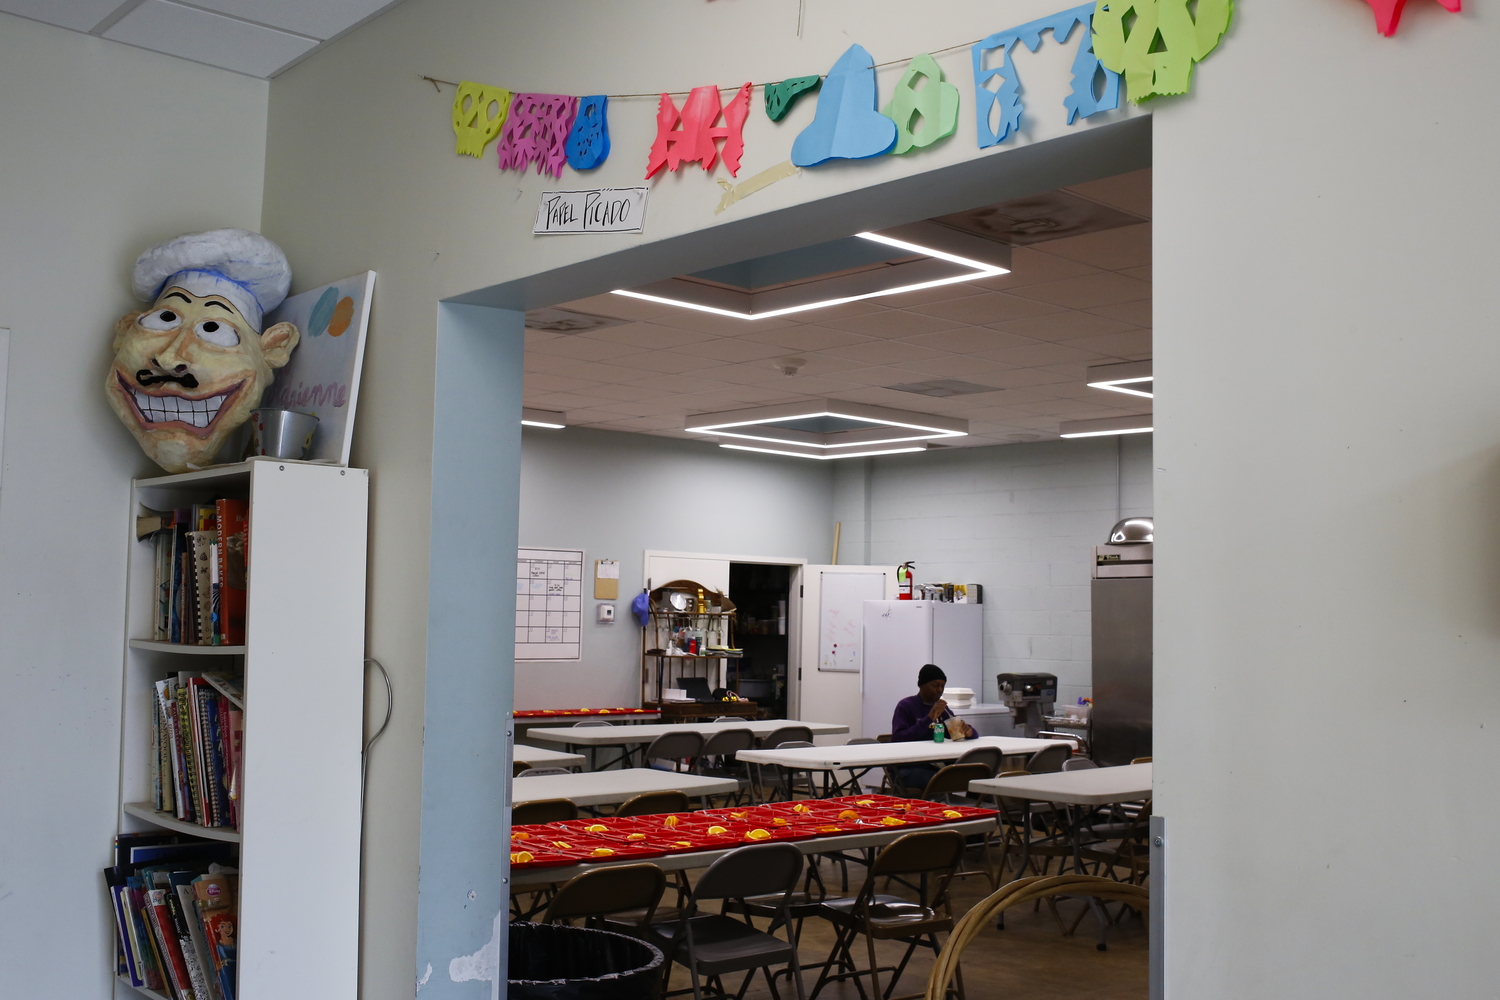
(472, 125)
(747, 187)
(1167, 26)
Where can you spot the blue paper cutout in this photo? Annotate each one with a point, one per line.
(322, 312)
(588, 142)
(1086, 66)
(847, 125)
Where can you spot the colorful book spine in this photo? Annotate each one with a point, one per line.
(167, 944)
(193, 807)
(234, 555)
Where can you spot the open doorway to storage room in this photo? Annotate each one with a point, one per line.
(760, 593)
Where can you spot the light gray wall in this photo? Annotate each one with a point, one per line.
(616, 495)
(1328, 485)
(104, 151)
(1020, 519)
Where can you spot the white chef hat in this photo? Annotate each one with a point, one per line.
(244, 267)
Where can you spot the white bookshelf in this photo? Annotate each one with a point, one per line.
(302, 662)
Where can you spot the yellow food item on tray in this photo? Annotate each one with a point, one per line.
(684, 843)
(737, 815)
(952, 814)
(521, 857)
(714, 830)
(597, 828)
(865, 802)
(758, 834)
(893, 821)
(636, 836)
(563, 844)
(523, 835)
(600, 852)
(800, 808)
(670, 822)
(848, 814)
(778, 821)
(829, 829)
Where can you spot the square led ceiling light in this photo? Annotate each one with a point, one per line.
(825, 429)
(1132, 378)
(903, 259)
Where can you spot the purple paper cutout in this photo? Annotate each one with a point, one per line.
(537, 130)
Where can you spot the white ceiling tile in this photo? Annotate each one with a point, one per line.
(961, 367)
(647, 336)
(771, 392)
(967, 340)
(200, 35)
(320, 19)
(663, 362)
(892, 323)
(1116, 344)
(942, 293)
(1100, 289)
(821, 317)
(620, 307)
(1112, 249)
(595, 372)
(741, 374)
(1065, 326)
(803, 386)
(541, 382)
(1128, 192)
(1032, 267)
(626, 392)
(1037, 355)
(878, 375)
(883, 352)
(565, 400)
(990, 307)
(545, 362)
(678, 383)
(583, 349)
(732, 349)
(1144, 273)
(796, 339)
(1137, 313)
(80, 15)
(1024, 378)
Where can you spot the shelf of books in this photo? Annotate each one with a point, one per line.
(243, 714)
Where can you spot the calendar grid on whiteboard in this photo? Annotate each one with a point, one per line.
(549, 604)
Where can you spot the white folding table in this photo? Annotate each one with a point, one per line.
(594, 788)
(627, 737)
(865, 756)
(523, 877)
(1094, 786)
(540, 757)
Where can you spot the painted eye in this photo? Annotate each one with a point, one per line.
(217, 331)
(160, 319)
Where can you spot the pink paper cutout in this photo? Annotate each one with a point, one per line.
(688, 136)
(537, 130)
(1388, 13)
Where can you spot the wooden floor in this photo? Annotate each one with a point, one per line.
(1029, 960)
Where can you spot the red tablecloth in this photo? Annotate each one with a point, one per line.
(582, 841)
(541, 713)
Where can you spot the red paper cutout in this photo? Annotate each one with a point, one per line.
(687, 136)
(1388, 13)
(537, 130)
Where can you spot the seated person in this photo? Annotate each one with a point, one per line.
(915, 717)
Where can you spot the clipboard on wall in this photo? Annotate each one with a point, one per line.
(606, 579)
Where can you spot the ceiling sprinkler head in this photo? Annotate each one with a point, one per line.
(790, 366)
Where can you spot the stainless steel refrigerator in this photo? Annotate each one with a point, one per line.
(1121, 602)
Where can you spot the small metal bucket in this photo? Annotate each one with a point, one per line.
(281, 433)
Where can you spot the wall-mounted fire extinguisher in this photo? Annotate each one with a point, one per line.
(903, 581)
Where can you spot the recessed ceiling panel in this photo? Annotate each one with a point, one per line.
(209, 38)
(80, 15)
(318, 18)
(1042, 217)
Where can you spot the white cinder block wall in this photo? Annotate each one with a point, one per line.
(1020, 519)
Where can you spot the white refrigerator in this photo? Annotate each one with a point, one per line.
(901, 636)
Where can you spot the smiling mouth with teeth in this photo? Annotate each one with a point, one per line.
(199, 413)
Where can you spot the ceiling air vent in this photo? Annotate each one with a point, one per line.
(941, 387)
(554, 320)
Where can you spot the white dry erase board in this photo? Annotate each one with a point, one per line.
(549, 604)
(322, 378)
(841, 624)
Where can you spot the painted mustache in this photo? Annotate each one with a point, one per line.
(146, 378)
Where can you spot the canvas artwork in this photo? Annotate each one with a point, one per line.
(322, 377)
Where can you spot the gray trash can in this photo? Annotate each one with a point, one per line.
(556, 962)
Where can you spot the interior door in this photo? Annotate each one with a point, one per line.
(828, 628)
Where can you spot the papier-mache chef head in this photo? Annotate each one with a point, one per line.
(188, 371)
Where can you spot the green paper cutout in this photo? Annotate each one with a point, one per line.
(1157, 52)
(936, 102)
(781, 96)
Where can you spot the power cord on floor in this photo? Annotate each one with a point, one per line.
(364, 755)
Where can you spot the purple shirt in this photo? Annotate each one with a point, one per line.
(911, 720)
